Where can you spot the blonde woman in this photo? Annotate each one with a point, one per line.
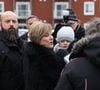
(41, 68)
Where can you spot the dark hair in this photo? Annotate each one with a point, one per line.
(32, 16)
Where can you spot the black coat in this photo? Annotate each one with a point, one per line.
(83, 71)
(11, 75)
(41, 70)
(79, 32)
(24, 36)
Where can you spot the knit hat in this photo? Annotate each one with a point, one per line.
(65, 33)
(69, 14)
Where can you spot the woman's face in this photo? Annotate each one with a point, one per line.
(47, 40)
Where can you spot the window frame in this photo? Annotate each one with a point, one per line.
(28, 11)
(60, 11)
(2, 7)
(91, 8)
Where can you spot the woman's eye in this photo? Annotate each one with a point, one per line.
(46, 35)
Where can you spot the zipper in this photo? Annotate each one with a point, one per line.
(85, 84)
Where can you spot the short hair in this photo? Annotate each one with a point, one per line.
(32, 16)
(37, 30)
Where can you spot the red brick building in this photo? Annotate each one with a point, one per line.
(51, 10)
(84, 9)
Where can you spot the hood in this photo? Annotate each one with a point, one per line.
(88, 47)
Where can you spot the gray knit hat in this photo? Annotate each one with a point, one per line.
(65, 33)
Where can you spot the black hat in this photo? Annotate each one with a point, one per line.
(69, 14)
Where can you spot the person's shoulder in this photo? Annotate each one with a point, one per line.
(75, 63)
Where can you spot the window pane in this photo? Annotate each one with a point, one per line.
(89, 8)
(23, 9)
(59, 6)
(1, 7)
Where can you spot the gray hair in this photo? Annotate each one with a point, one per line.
(94, 26)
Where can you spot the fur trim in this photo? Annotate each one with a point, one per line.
(82, 43)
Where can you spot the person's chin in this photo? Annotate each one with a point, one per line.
(50, 46)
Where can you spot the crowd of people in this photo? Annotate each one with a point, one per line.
(82, 73)
(67, 59)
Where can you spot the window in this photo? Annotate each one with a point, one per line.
(23, 9)
(58, 7)
(89, 8)
(1, 7)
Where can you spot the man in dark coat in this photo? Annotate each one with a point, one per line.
(11, 48)
(29, 21)
(70, 18)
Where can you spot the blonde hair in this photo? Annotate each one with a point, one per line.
(37, 30)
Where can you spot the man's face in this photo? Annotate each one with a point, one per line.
(73, 24)
(30, 21)
(9, 26)
(8, 21)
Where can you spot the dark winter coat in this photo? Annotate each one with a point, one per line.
(11, 76)
(83, 72)
(79, 32)
(24, 36)
(41, 69)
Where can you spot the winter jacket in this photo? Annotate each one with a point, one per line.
(24, 36)
(83, 71)
(79, 32)
(11, 74)
(41, 68)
